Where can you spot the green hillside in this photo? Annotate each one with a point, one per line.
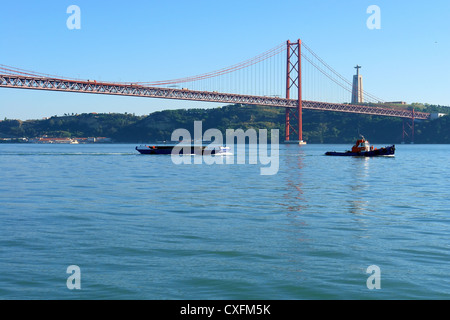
(318, 126)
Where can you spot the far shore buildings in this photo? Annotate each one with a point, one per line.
(70, 140)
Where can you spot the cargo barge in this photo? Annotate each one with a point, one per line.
(190, 150)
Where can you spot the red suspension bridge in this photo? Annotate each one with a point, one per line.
(290, 76)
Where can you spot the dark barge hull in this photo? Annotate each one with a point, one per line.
(382, 152)
(168, 150)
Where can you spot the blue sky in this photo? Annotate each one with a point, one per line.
(407, 59)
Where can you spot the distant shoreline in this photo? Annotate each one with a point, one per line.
(319, 127)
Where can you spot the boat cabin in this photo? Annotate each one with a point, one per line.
(362, 145)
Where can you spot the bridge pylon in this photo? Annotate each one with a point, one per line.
(408, 129)
(293, 121)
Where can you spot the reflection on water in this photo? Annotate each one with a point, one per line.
(359, 200)
(293, 169)
(294, 205)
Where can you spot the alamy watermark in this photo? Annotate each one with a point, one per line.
(374, 280)
(374, 20)
(269, 161)
(74, 20)
(74, 280)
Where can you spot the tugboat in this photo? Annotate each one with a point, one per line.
(362, 148)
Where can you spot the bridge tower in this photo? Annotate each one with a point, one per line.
(294, 82)
(408, 129)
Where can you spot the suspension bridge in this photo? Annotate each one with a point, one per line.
(290, 75)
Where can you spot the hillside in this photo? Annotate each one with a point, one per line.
(318, 126)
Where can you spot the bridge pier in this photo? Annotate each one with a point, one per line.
(408, 130)
(301, 142)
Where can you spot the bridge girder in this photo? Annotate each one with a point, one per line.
(65, 85)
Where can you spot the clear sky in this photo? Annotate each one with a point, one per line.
(407, 59)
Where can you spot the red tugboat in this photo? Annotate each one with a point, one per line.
(362, 148)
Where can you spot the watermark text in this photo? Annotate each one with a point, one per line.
(235, 140)
(74, 20)
(374, 20)
(74, 280)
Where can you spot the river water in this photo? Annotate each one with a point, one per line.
(141, 227)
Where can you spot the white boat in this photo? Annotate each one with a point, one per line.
(222, 151)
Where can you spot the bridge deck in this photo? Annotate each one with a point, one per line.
(65, 85)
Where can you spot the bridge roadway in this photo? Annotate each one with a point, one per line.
(91, 86)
